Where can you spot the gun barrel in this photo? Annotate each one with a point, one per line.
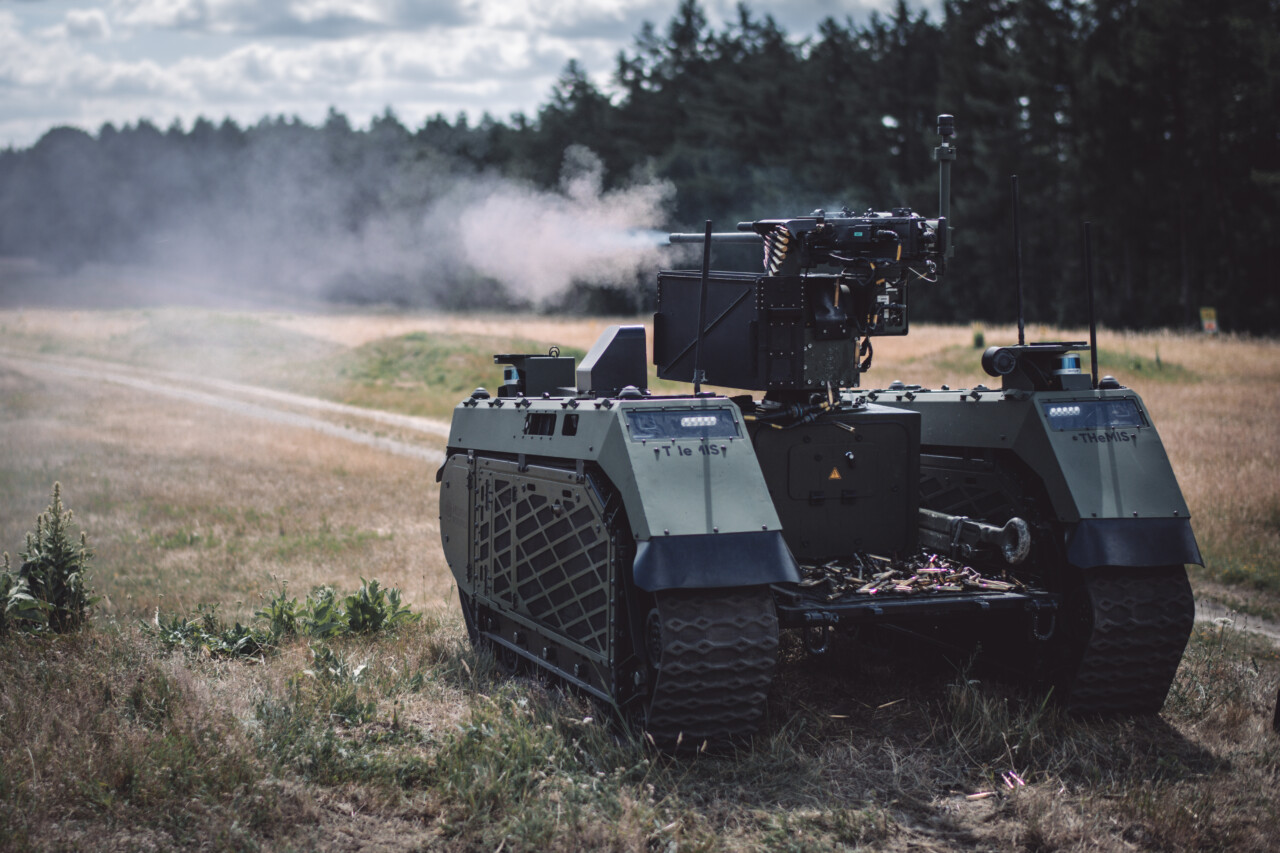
(716, 237)
(956, 535)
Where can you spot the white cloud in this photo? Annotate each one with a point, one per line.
(570, 15)
(311, 11)
(303, 18)
(54, 67)
(119, 60)
(18, 62)
(164, 14)
(87, 24)
(369, 63)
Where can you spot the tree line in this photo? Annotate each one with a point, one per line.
(1156, 120)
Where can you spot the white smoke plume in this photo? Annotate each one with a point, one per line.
(283, 227)
(538, 244)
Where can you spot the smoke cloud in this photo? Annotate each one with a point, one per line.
(549, 241)
(284, 220)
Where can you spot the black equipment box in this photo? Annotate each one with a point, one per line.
(764, 333)
(845, 484)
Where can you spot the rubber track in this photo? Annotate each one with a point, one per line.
(719, 650)
(1141, 621)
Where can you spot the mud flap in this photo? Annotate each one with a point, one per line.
(708, 561)
(1138, 542)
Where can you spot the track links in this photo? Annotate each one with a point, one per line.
(719, 649)
(1141, 618)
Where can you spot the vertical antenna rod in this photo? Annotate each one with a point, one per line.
(1017, 262)
(945, 154)
(702, 311)
(1093, 317)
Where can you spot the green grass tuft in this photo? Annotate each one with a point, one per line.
(1135, 369)
(323, 615)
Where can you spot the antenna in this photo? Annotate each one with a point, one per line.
(945, 154)
(702, 311)
(1017, 263)
(1088, 284)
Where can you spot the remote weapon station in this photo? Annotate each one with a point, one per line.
(648, 549)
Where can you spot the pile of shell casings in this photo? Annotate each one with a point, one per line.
(922, 574)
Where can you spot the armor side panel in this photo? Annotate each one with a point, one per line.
(673, 482)
(1103, 472)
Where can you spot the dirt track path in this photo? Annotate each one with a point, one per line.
(1210, 610)
(279, 407)
(282, 407)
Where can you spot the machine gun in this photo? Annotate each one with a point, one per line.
(869, 247)
(829, 283)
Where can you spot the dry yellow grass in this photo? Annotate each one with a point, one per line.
(354, 330)
(1216, 401)
(188, 504)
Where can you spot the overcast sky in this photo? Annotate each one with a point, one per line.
(85, 62)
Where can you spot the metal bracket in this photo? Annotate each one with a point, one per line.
(817, 639)
(1039, 633)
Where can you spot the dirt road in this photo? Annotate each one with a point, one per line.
(1209, 610)
(418, 438)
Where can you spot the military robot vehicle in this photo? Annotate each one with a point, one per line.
(647, 549)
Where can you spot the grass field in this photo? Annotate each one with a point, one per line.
(407, 740)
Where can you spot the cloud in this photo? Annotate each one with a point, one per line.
(615, 20)
(373, 69)
(165, 14)
(120, 60)
(324, 19)
(87, 24)
(467, 69)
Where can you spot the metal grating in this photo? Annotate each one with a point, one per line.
(972, 488)
(544, 553)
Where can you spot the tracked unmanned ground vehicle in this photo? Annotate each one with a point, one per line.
(647, 549)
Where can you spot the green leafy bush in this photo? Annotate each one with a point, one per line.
(50, 590)
(323, 615)
(371, 609)
(17, 607)
(281, 614)
(206, 633)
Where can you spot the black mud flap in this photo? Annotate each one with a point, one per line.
(713, 560)
(1138, 542)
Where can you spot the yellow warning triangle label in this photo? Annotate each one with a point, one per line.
(834, 475)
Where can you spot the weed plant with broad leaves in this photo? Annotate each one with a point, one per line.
(18, 609)
(371, 609)
(50, 590)
(206, 634)
(323, 615)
